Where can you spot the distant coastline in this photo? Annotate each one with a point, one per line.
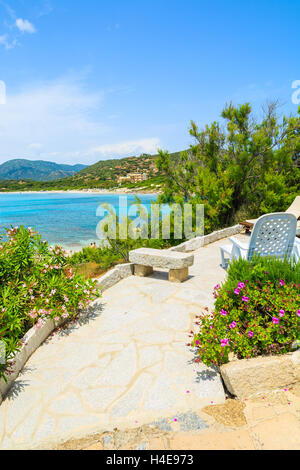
(85, 191)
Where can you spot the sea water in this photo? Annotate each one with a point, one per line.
(67, 219)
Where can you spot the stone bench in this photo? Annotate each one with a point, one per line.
(145, 259)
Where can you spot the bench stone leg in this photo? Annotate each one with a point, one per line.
(178, 275)
(140, 270)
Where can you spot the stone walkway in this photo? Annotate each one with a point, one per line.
(268, 422)
(124, 365)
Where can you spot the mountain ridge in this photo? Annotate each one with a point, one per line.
(36, 170)
(104, 174)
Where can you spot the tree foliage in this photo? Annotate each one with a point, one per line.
(245, 169)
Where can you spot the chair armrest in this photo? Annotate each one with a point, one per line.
(239, 244)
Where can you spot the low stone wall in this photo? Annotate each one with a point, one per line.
(30, 342)
(198, 242)
(115, 275)
(250, 377)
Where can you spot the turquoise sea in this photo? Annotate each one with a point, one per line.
(68, 219)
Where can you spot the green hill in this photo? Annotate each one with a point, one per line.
(104, 174)
(107, 173)
(39, 170)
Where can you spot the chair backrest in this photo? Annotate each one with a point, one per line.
(295, 208)
(273, 235)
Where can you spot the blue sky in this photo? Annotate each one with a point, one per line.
(95, 79)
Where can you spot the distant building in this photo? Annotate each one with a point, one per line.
(133, 178)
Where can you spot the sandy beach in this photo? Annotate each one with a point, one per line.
(86, 191)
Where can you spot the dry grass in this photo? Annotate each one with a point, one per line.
(90, 270)
(229, 414)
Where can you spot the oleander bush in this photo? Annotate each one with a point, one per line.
(36, 282)
(257, 312)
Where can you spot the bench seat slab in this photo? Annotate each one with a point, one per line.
(161, 258)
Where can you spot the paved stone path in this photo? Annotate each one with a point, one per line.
(268, 422)
(124, 365)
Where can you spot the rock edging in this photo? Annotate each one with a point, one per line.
(112, 277)
(245, 378)
(30, 342)
(198, 242)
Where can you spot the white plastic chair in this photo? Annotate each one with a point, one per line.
(296, 250)
(272, 235)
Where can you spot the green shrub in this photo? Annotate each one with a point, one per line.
(36, 282)
(263, 269)
(257, 312)
(104, 257)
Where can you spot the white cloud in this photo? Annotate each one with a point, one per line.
(45, 9)
(60, 116)
(132, 147)
(59, 121)
(25, 26)
(8, 44)
(8, 9)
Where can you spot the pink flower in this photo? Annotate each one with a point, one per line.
(232, 325)
(298, 313)
(223, 312)
(224, 342)
(217, 287)
(237, 291)
(39, 324)
(197, 342)
(281, 282)
(250, 334)
(241, 285)
(281, 313)
(245, 299)
(275, 320)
